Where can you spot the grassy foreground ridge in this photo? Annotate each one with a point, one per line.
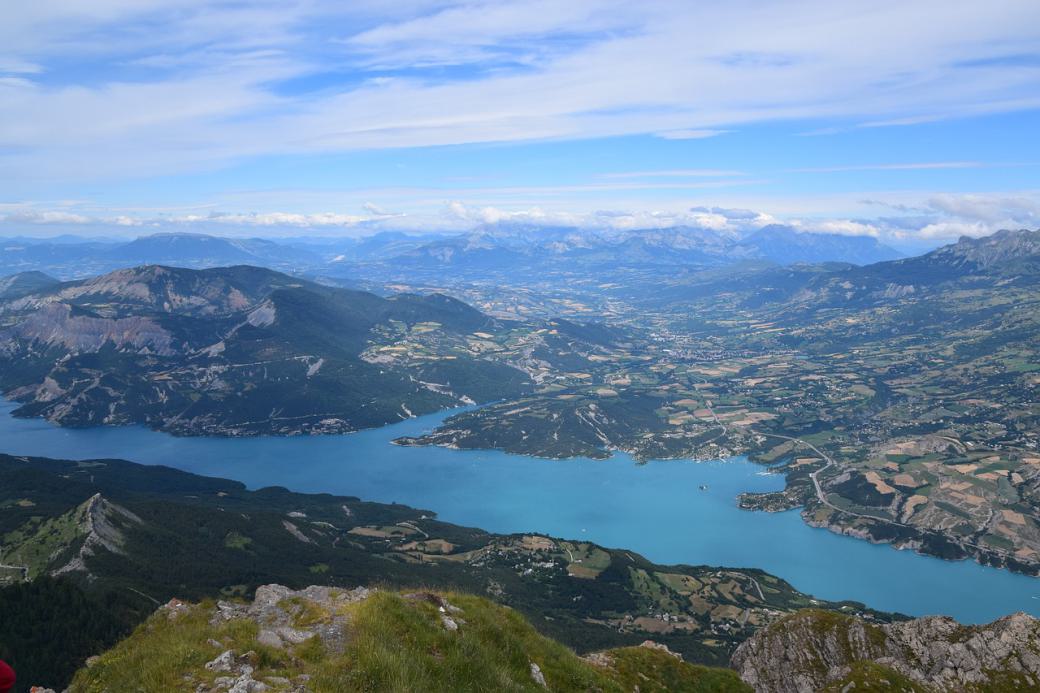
(334, 640)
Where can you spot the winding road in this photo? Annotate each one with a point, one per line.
(815, 475)
(822, 496)
(24, 569)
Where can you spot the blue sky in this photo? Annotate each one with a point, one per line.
(915, 122)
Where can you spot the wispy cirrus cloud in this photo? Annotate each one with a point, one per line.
(676, 173)
(126, 89)
(925, 166)
(689, 134)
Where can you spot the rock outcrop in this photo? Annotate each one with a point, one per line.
(99, 522)
(287, 617)
(63, 543)
(816, 651)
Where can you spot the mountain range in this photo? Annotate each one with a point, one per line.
(73, 258)
(511, 249)
(496, 248)
(240, 350)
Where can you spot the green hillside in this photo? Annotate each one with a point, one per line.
(337, 641)
(242, 351)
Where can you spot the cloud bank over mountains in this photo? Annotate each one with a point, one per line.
(930, 222)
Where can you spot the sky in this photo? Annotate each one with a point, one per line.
(912, 121)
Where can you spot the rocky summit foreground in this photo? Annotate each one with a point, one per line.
(329, 639)
(325, 639)
(817, 651)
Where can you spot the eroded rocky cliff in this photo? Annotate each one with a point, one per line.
(821, 651)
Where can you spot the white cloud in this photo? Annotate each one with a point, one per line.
(714, 219)
(378, 212)
(277, 219)
(479, 32)
(188, 85)
(46, 217)
(1022, 210)
(950, 230)
(947, 217)
(20, 67)
(927, 166)
(689, 134)
(676, 173)
(123, 220)
(933, 219)
(842, 227)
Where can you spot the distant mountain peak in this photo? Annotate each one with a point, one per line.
(787, 245)
(506, 244)
(169, 289)
(1004, 246)
(25, 283)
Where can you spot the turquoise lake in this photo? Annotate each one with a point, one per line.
(655, 509)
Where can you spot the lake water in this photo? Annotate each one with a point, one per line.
(655, 509)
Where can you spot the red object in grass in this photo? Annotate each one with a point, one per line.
(7, 677)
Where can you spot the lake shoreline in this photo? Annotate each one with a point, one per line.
(658, 510)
